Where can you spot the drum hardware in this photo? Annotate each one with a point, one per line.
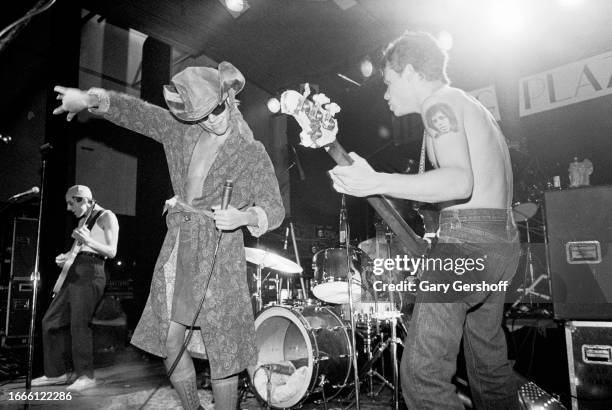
(382, 246)
(530, 290)
(350, 280)
(297, 259)
(266, 259)
(390, 343)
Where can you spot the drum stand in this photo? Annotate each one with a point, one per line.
(258, 295)
(349, 281)
(390, 343)
(530, 290)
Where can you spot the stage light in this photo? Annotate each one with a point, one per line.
(445, 40)
(235, 5)
(273, 105)
(366, 67)
(384, 132)
(506, 17)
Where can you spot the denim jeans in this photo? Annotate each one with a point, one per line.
(65, 326)
(436, 328)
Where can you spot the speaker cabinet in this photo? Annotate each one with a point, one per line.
(579, 230)
(18, 302)
(24, 248)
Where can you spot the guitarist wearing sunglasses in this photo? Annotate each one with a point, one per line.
(472, 184)
(77, 291)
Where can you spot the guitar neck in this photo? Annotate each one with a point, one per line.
(411, 241)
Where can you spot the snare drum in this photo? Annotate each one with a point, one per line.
(330, 271)
(311, 337)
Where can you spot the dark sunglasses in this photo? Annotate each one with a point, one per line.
(218, 110)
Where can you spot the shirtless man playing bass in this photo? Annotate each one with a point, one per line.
(472, 185)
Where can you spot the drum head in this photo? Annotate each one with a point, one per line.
(281, 336)
(330, 267)
(336, 292)
(312, 340)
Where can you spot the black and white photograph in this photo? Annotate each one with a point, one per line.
(306, 204)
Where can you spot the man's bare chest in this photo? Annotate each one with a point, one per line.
(202, 158)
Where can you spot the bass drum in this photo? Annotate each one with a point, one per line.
(310, 337)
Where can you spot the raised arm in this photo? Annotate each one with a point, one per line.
(122, 109)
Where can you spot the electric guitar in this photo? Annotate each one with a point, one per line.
(319, 129)
(71, 255)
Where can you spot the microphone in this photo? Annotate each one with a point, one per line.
(32, 191)
(227, 193)
(279, 368)
(286, 238)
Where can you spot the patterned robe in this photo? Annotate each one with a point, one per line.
(226, 319)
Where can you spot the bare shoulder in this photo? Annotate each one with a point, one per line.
(443, 112)
(108, 219)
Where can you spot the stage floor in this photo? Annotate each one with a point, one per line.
(137, 381)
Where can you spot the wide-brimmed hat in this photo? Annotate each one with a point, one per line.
(80, 191)
(196, 91)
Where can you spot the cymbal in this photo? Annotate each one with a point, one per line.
(369, 246)
(270, 260)
(524, 210)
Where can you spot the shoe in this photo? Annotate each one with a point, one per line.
(82, 383)
(50, 381)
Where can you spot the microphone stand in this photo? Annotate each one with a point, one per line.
(349, 281)
(297, 260)
(35, 277)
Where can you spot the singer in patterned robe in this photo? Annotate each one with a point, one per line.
(184, 263)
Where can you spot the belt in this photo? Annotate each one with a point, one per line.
(92, 255)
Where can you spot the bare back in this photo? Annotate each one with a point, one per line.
(488, 153)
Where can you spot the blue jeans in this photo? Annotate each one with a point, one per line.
(437, 327)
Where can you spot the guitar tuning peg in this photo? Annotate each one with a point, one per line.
(333, 108)
(321, 99)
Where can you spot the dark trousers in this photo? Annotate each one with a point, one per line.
(66, 323)
(439, 322)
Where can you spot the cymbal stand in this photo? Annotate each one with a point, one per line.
(258, 295)
(279, 288)
(353, 353)
(390, 343)
(297, 260)
(530, 290)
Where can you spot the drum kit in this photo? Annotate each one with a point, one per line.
(309, 348)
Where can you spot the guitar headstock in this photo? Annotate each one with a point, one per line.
(315, 117)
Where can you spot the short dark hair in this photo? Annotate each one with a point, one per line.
(422, 51)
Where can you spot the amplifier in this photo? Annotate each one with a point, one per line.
(579, 230)
(589, 359)
(24, 248)
(19, 309)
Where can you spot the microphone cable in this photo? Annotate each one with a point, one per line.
(227, 192)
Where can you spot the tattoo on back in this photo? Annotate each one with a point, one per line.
(441, 119)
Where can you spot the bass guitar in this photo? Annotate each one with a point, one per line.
(319, 129)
